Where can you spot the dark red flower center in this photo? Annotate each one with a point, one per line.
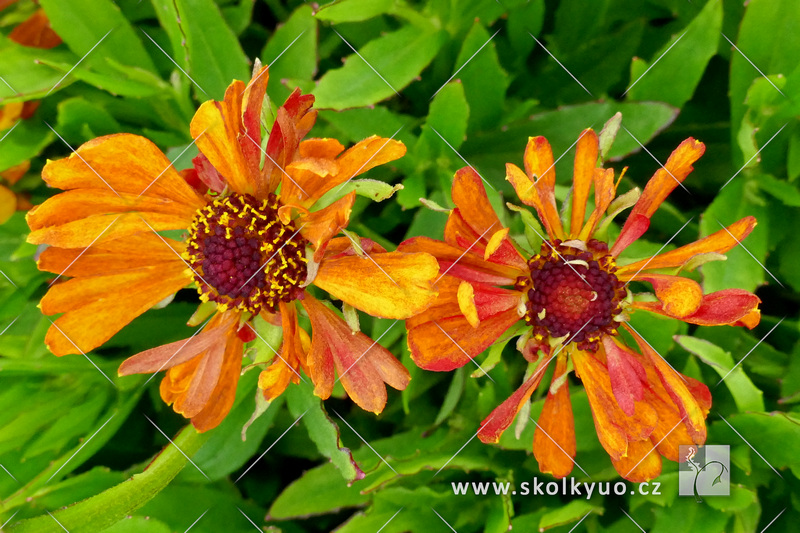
(573, 292)
(243, 256)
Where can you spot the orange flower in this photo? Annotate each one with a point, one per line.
(573, 298)
(254, 244)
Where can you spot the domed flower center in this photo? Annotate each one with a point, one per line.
(243, 256)
(573, 292)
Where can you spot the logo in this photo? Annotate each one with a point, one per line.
(704, 471)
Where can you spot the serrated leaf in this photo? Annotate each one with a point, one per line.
(319, 490)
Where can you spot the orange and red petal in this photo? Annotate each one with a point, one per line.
(451, 342)
(321, 226)
(35, 32)
(679, 297)
(719, 242)
(663, 182)
(503, 415)
(729, 307)
(250, 134)
(364, 367)
(583, 175)
(217, 126)
(554, 443)
(626, 373)
(604, 193)
(224, 394)
(293, 121)
(390, 285)
(462, 264)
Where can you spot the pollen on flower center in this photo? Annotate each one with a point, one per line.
(573, 293)
(243, 256)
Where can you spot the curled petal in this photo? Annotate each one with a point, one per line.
(528, 192)
(680, 297)
(321, 226)
(729, 307)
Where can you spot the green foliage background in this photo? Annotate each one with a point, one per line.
(457, 82)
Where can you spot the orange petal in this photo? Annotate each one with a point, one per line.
(450, 342)
(466, 303)
(108, 303)
(389, 285)
(678, 166)
(501, 417)
(641, 463)
(678, 390)
(13, 174)
(363, 365)
(123, 163)
(216, 126)
(583, 175)
(671, 432)
(462, 264)
(250, 134)
(554, 439)
(8, 203)
(680, 297)
(604, 192)
(541, 169)
(729, 307)
(224, 393)
(719, 242)
(469, 196)
(528, 192)
(321, 226)
(35, 32)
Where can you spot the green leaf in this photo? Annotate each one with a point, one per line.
(683, 60)
(484, 80)
(354, 10)
(291, 52)
(768, 433)
(765, 23)
(23, 70)
(321, 429)
(746, 395)
(448, 115)
(398, 57)
(686, 515)
(375, 190)
(782, 191)
(454, 393)
(571, 512)
(741, 271)
(25, 141)
(215, 57)
(109, 507)
(106, 25)
(138, 524)
(77, 115)
(318, 491)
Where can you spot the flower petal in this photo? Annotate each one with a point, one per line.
(604, 192)
(528, 192)
(719, 242)
(680, 297)
(501, 417)
(642, 463)
(678, 166)
(466, 303)
(321, 226)
(389, 285)
(216, 126)
(363, 365)
(108, 303)
(626, 374)
(224, 393)
(729, 307)
(8, 203)
(554, 438)
(583, 175)
(293, 121)
(35, 31)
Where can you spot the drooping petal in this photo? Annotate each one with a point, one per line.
(321, 226)
(583, 176)
(663, 182)
(671, 432)
(364, 366)
(501, 417)
(729, 307)
(719, 242)
(224, 393)
(286, 365)
(626, 374)
(642, 463)
(679, 297)
(554, 443)
(390, 285)
(677, 389)
(528, 192)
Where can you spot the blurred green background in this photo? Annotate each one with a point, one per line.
(459, 82)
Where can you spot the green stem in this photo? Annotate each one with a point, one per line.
(107, 508)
